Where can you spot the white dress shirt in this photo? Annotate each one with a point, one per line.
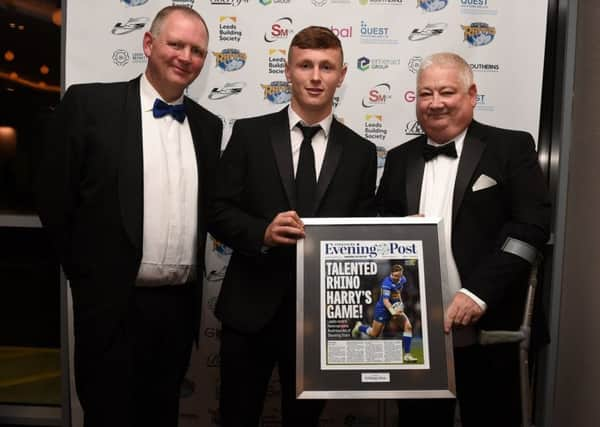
(437, 191)
(170, 197)
(319, 141)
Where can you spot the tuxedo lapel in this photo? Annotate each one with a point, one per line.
(282, 148)
(473, 148)
(414, 176)
(131, 189)
(333, 152)
(199, 133)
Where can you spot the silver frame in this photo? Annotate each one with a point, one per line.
(447, 371)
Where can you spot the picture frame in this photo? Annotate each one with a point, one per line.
(344, 266)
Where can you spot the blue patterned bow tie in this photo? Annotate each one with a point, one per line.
(161, 109)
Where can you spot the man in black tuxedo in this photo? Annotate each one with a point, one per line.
(274, 171)
(486, 184)
(122, 188)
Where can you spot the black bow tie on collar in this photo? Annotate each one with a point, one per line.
(161, 109)
(432, 151)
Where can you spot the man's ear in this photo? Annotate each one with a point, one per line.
(147, 43)
(343, 75)
(473, 94)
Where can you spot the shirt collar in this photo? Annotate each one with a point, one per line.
(325, 124)
(148, 94)
(458, 141)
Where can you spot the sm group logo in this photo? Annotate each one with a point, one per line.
(229, 30)
(432, 5)
(280, 30)
(277, 92)
(378, 95)
(478, 33)
(230, 59)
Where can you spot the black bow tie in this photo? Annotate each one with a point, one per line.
(161, 109)
(432, 151)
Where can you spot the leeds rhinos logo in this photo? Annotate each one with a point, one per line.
(277, 92)
(230, 59)
(432, 5)
(479, 33)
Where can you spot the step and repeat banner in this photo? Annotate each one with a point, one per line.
(384, 42)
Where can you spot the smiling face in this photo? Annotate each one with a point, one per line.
(176, 54)
(314, 75)
(444, 102)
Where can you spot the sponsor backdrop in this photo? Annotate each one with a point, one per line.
(384, 42)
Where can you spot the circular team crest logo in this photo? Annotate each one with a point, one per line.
(120, 57)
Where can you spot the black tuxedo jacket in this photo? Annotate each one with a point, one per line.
(90, 197)
(517, 206)
(258, 183)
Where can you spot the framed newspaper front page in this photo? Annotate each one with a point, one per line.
(370, 310)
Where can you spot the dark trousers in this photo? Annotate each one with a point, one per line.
(487, 387)
(135, 381)
(247, 361)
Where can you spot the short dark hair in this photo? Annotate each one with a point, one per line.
(166, 11)
(316, 37)
(397, 267)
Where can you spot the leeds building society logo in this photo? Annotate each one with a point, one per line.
(225, 91)
(427, 31)
(230, 59)
(374, 128)
(228, 29)
(414, 63)
(277, 61)
(432, 5)
(131, 25)
(413, 128)
(280, 30)
(134, 2)
(378, 95)
(319, 3)
(479, 33)
(277, 92)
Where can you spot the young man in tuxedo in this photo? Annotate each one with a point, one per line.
(123, 185)
(278, 168)
(486, 184)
